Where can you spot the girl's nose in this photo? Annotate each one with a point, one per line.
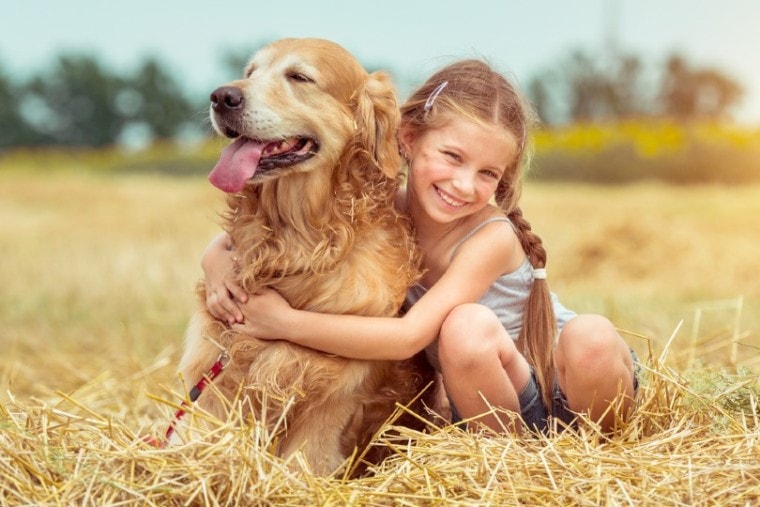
(463, 181)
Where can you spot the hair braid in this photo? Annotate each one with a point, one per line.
(539, 324)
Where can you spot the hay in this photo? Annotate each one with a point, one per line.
(96, 292)
(690, 443)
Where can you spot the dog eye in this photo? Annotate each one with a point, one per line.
(301, 78)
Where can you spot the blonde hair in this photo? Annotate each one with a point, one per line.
(474, 90)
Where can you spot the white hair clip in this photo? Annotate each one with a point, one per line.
(433, 95)
(539, 274)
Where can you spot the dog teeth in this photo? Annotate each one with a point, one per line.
(271, 148)
(283, 146)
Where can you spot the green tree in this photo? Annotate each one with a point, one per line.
(80, 103)
(14, 127)
(154, 98)
(75, 103)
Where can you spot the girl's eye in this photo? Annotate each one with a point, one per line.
(299, 77)
(490, 173)
(452, 156)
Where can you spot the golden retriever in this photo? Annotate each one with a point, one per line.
(311, 178)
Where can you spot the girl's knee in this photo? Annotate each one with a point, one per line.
(589, 339)
(589, 324)
(594, 363)
(469, 332)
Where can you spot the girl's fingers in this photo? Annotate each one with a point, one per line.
(229, 309)
(223, 307)
(213, 307)
(237, 293)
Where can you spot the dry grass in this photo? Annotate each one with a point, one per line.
(682, 448)
(97, 278)
(650, 256)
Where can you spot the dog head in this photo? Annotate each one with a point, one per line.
(301, 104)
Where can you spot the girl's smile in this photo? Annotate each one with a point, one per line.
(449, 199)
(456, 168)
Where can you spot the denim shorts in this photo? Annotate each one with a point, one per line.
(533, 411)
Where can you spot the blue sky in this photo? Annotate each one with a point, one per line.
(409, 37)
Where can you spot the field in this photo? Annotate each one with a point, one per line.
(97, 278)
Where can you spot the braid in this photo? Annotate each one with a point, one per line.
(539, 324)
(529, 240)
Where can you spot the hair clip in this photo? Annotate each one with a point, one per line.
(434, 94)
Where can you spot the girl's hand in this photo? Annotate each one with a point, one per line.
(223, 296)
(266, 315)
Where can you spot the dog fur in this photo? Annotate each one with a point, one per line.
(316, 222)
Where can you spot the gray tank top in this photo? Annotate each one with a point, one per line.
(506, 297)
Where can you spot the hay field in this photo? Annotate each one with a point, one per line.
(96, 285)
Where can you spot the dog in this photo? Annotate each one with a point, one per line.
(311, 176)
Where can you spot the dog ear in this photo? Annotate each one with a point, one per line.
(377, 119)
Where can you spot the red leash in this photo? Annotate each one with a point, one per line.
(193, 395)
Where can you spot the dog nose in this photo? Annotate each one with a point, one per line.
(227, 97)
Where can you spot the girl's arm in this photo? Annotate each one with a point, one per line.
(222, 295)
(484, 257)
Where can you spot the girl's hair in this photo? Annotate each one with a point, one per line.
(472, 89)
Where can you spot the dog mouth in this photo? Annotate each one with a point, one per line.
(287, 152)
(246, 158)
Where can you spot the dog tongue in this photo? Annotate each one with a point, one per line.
(237, 164)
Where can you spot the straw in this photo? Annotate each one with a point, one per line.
(687, 444)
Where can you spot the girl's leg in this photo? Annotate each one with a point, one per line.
(479, 360)
(594, 368)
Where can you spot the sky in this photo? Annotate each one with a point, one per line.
(409, 37)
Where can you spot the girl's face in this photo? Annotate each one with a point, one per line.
(454, 169)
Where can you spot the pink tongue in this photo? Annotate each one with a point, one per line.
(237, 164)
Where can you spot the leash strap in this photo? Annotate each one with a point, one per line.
(196, 391)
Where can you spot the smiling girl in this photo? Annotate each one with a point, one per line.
(482, 311)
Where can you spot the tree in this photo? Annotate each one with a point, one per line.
(627, 89)
(688, 93)
(587, 88)
(154, 99)
(79, 103)
(75, 103)
(14, 128)
(538, 92)
(583, 87)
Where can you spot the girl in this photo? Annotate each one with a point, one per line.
(482, 310)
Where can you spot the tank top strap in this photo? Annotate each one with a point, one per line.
(477, 228)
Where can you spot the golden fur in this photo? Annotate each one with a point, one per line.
(322, 232)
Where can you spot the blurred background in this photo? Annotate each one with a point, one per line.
(81, 73)
(644, 183)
